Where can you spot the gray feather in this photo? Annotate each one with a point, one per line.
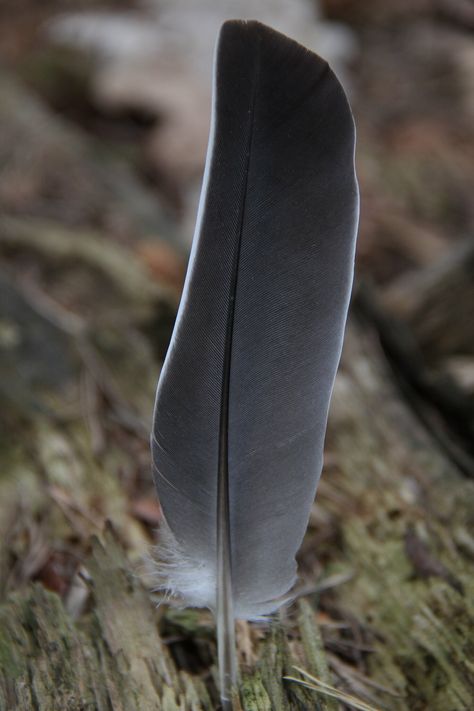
(244, 392)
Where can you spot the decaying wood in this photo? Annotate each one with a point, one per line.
(439, 400)
(438, 303)
(397, 633)
(403, 494)
(426, 324)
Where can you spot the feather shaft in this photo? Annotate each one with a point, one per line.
(224, 597)
(224, 594)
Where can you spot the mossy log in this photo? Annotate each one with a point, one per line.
(388, 605)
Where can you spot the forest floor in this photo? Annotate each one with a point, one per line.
(100, 166)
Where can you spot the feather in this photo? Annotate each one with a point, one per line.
(243, 397)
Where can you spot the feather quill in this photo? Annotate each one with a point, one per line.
(242, 401)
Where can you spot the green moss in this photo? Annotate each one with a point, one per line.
(253, 694)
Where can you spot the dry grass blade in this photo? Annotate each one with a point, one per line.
(321, 687)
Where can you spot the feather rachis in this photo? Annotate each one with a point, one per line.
(224, 593)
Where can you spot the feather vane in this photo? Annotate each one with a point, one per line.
(243, 397)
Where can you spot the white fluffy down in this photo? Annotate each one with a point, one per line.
(180, 576)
